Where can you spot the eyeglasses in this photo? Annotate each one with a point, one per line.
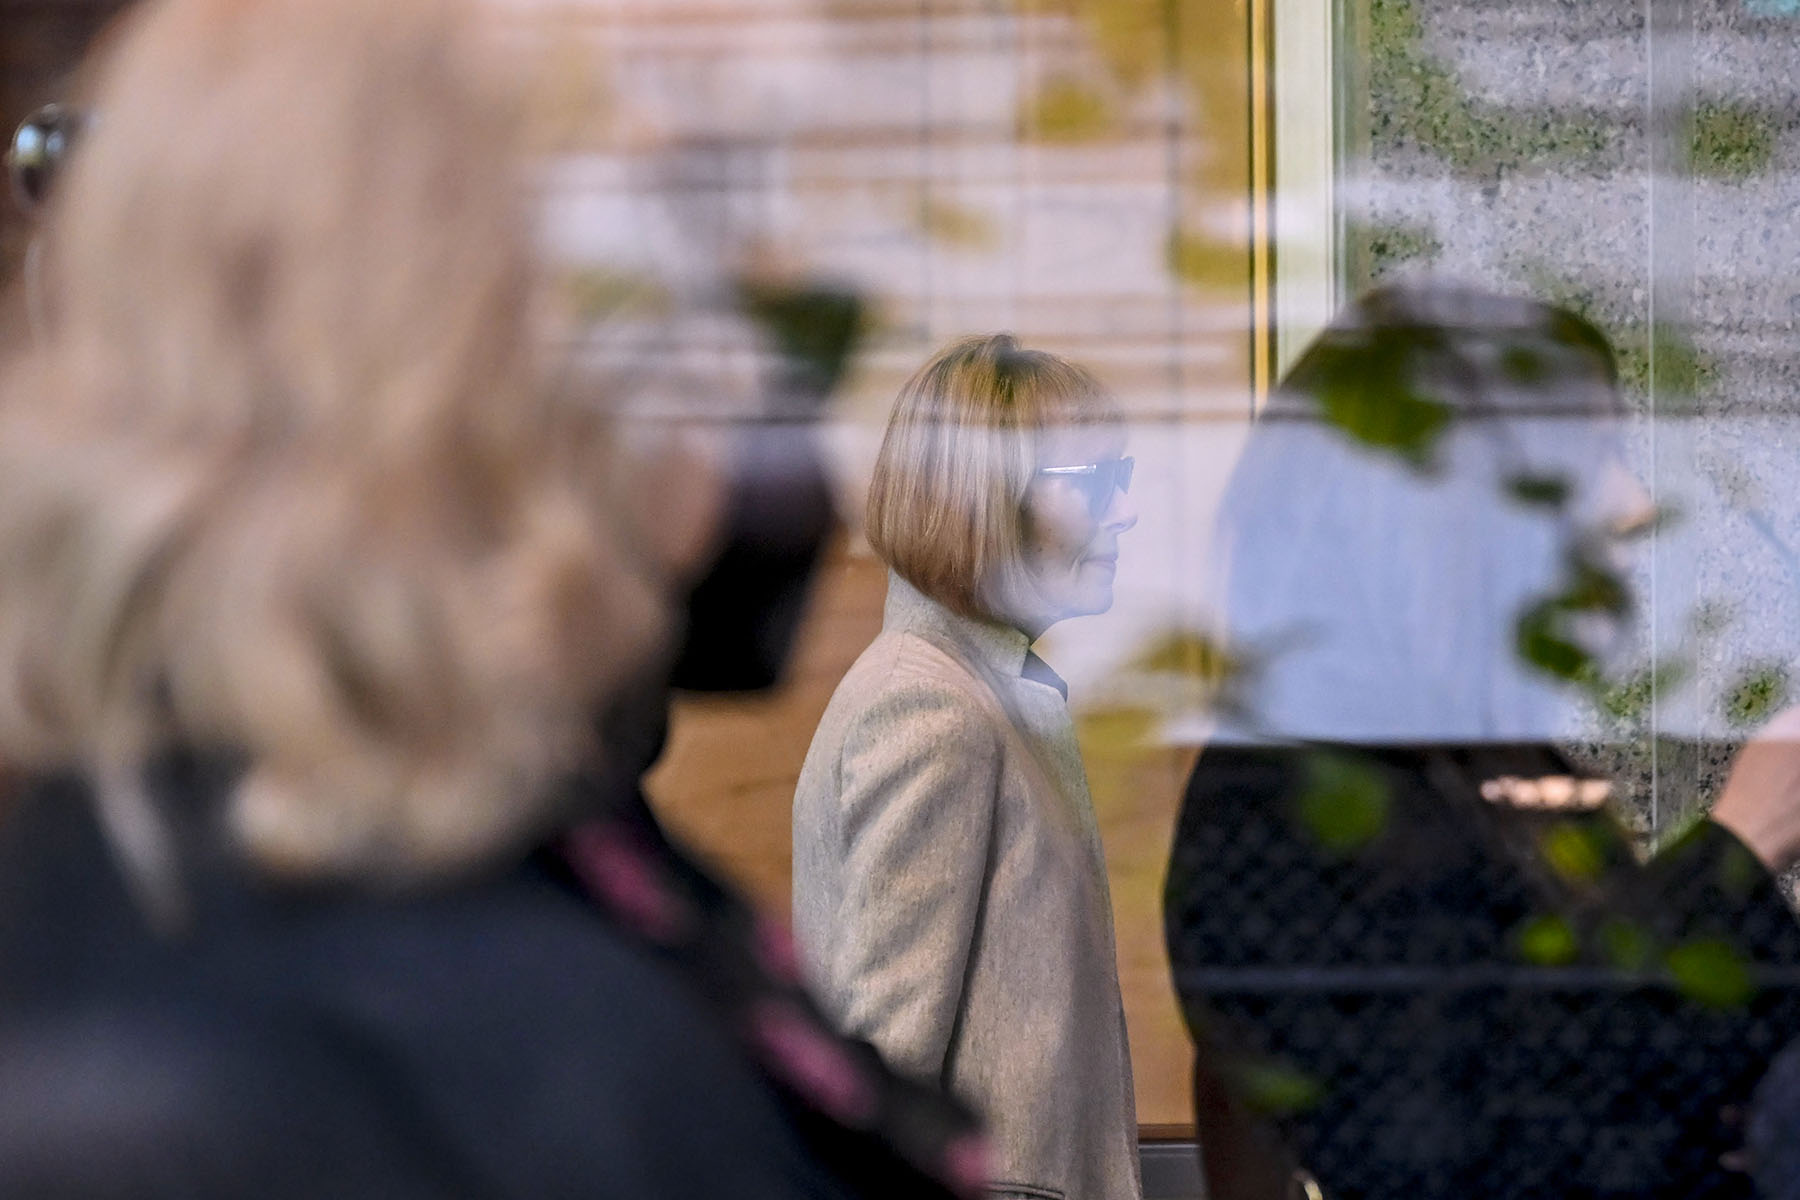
(1097, 480)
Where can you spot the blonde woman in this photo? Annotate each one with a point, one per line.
(950, 896)
(309, 602)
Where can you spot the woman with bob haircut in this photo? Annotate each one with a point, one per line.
(950, 895)
(312, 598)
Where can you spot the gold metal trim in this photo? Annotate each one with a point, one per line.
(1262, 202)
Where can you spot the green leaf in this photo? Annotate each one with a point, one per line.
(1416, 98)
(1740, 871)
(957, 225)
(1118, 730)
(1593, 588)
(1547, 941)
(1540, 642)
(1757, 695)
(1344, 803)
(1681, 368)
(1392, 244)
(814, 329)
(1539, 491)
(1661, 352)
(1204, 261)
(1732, 141)
(1526, 365)
(1368, 392)
(1711, 972)
(1278, 1089)
(1576, 851)
(1191, 654)
(1628, 698)
(1068, 111)
(1627, 945)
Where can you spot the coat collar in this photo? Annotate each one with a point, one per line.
(1003, 649)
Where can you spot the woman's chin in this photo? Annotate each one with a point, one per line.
(1097, 587)
(1096, 600)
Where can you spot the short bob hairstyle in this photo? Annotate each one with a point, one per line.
(946, 505)
(283, 482)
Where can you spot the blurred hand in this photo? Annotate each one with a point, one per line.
(1761, 802)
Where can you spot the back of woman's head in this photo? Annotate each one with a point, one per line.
(280, 482)
(1387, 523)
(965, 438)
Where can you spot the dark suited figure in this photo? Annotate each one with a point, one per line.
(1416, 950)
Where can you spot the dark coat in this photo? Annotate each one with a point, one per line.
(497, 1038)
(1773, 1143)
(1457, 998)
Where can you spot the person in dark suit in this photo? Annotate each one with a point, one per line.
(1418, 954)
(319, 875)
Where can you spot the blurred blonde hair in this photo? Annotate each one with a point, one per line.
(282, 482)
(946, 503)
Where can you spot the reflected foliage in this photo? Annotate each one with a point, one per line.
(1368, 384)
(1654, 359)
(1390, 245)
(1276, 1088)
(1115, 731)
(1344, 804)
(1068, 111)
(1178, 673)
(1183, 44)
(1545, 632)
(1580, 852)
(1213, 674)
(599, 294)
(1539, 491)
(1731, 141)
(1202, 261)
(1547, 941)
(812, 328)
(1759, 693)
(1711, 971)
(1626, 945)
(1627, 697)
(956, 225)
(1416, 101)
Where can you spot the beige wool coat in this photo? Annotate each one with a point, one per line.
(950, 897)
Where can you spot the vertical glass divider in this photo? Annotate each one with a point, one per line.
(1305, 145)
(1672, 425)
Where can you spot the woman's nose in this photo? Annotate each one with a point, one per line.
(1121, 512)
